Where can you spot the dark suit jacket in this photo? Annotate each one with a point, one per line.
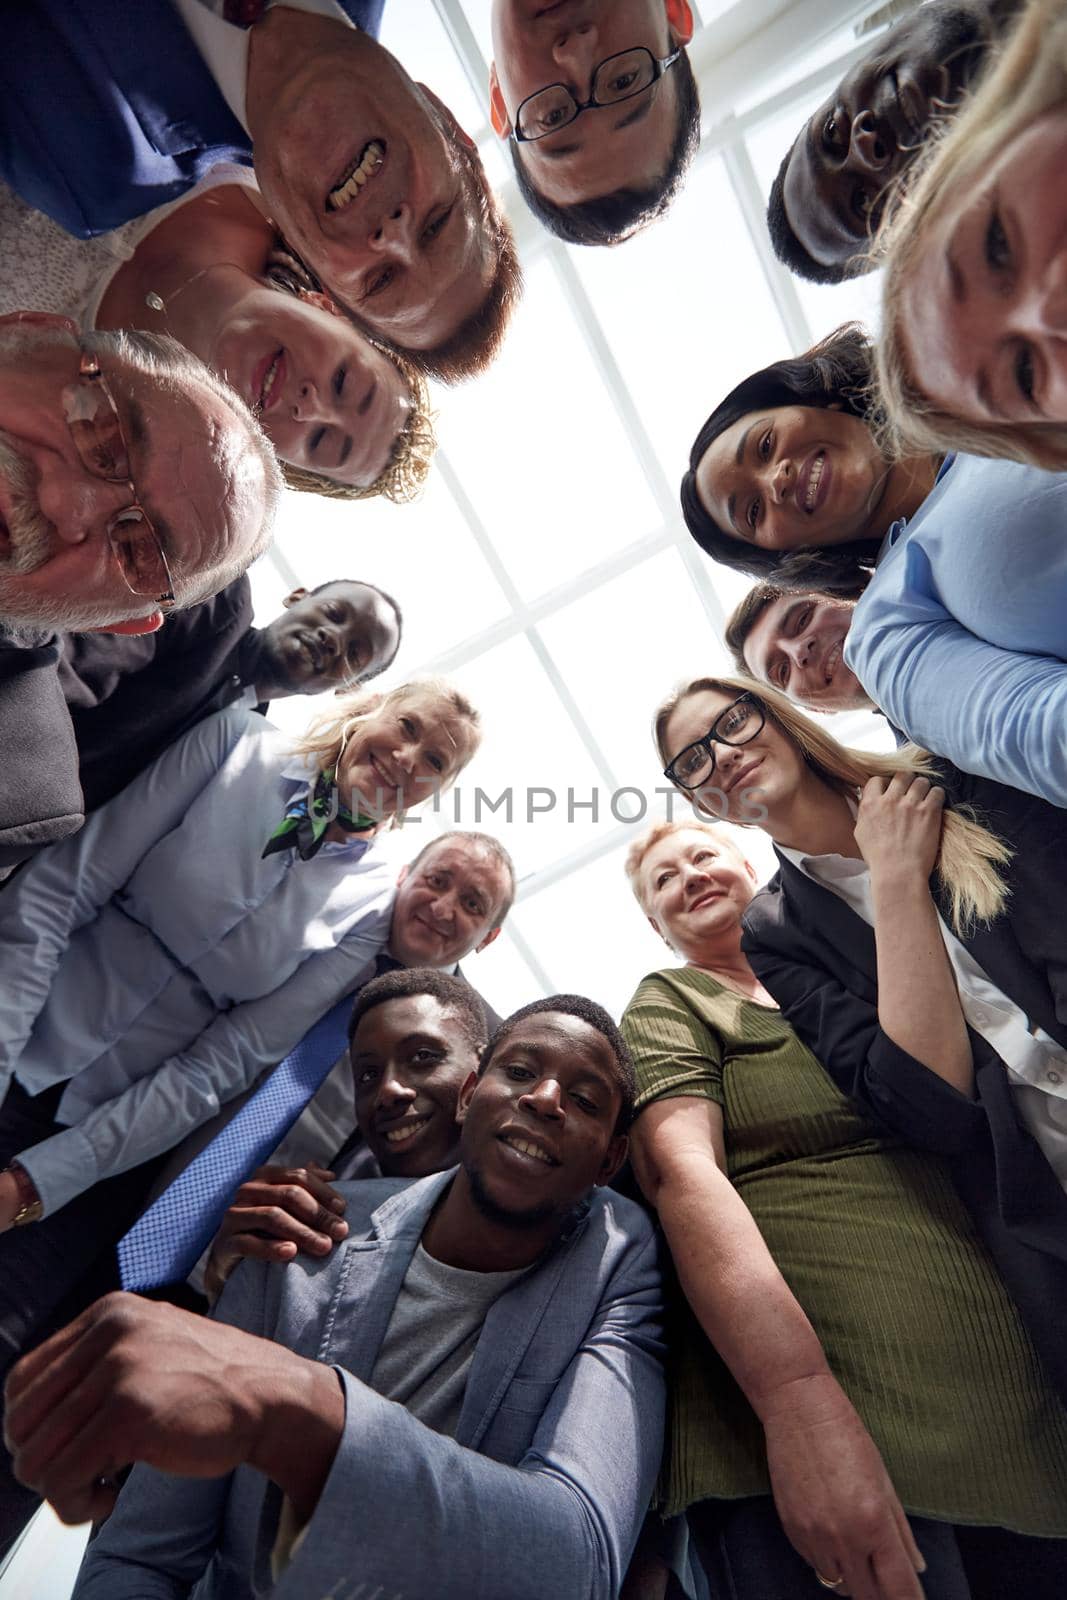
(40, 798)
(131, 696)
(817, 958)
(108, 110)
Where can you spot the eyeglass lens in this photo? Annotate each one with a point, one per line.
(615, 79)
(736, 725)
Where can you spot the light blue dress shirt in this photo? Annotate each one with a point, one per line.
(156, 962)
(961, 636)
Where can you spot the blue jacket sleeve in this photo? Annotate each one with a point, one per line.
(993, 712)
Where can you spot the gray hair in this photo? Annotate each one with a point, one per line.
(175, 370)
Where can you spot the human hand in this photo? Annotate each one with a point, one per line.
(10, 1200)
(898, 827)
(278, 1213)
(833, 1494)
(135, 1380)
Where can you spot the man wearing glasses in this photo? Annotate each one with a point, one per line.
(131, 481)
(597, 101)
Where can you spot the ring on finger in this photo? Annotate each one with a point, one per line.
(828, 1583)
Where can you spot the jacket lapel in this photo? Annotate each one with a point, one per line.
(372, 1274)
(511, 1324)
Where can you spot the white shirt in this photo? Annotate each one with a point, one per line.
(224, 46)
(1037, 1065)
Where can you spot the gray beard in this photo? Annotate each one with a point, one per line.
(33, 543)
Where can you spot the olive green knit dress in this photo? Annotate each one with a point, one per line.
(878, 1249)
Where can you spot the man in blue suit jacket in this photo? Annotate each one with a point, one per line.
(543, 1412)
(109, 108)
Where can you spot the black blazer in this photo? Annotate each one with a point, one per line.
(130, 696)
(817, 958)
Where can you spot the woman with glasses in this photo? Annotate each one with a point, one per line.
(153, 965)
(959, 564)
(347, 419)
(864, 1212)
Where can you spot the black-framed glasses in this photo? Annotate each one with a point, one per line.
(740, 722)
(617, 78)
(96, 429)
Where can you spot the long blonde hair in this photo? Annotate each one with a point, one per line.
(326, 735)
(1029, 79)
(971, 857)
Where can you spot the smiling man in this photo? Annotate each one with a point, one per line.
(796, 643)
(493, 1333)
(130, 698)
(598, 104)
(831, 190)
(131, 481)
(109, 110)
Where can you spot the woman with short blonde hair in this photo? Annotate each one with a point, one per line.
(875, 1363)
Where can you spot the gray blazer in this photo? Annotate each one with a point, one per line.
(541, 1492)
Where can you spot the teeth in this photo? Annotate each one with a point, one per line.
(267, 392)
(525, 1148)
(363, 170)
(398, 1135)
(813, 482)
(830, 664)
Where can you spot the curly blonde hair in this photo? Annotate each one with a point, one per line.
(440, 702)
(1028, 80)
(971, 858)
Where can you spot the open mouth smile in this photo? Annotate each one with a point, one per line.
(808, 489)
(829, 666)
(267, 382)
(357, 175)
(385, 775)
(402, 1133)
(528, 1149)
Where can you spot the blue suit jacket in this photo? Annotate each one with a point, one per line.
(541, 1492)
(107, 109)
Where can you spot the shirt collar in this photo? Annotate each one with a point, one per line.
(897, 528)
(224, 45)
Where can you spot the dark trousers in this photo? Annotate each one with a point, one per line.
(52, 1269)
(746, 1556)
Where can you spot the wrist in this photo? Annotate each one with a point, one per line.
(19, 1201)
(798, 1399)
(301, 1417)
(901, 884)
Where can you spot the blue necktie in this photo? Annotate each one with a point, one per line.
(165, 1244)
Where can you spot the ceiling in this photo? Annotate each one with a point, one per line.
(547, 569)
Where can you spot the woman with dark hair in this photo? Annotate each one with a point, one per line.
(347, 419)
(958, 635)
(786, 478)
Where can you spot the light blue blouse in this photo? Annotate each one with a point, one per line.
(159, 964)
(961, 636)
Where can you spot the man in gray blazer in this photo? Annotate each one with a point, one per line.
(465, 1397)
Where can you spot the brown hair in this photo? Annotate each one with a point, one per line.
(743, 618)
(971, 857)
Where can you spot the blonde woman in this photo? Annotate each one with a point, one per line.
(914, 938)
(877, 1364)
(972, 354)
(155, 963)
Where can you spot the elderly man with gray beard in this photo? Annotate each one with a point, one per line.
(132, 481)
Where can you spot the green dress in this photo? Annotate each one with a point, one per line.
(877, 1247)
